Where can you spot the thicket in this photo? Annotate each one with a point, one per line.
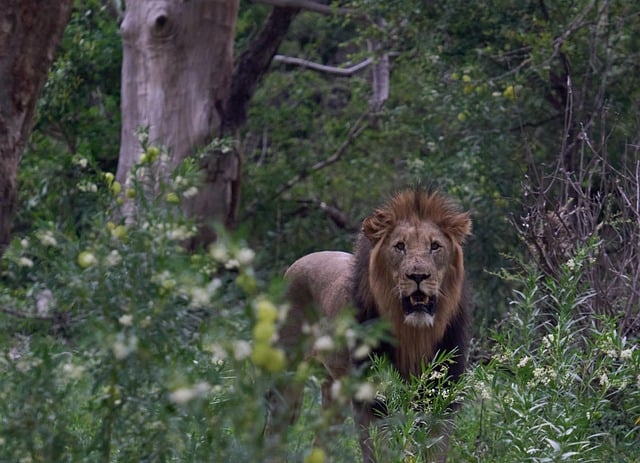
(118, 345)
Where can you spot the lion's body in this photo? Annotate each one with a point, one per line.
(407, 269)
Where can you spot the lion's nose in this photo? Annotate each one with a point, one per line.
(418, 277)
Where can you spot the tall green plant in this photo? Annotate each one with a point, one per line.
(560, 387)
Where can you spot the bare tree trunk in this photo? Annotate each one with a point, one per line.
(30, 32)
(176, 76)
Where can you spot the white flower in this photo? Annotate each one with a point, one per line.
(199, 297)
(571, 264)
(122, 348)
(72, 371)
(126, 320)
(218, 354)
(483, 390)
(25, 262)
(180, 233)
(626, 354)
(350, 336)
(323, 343)
(80, 161)
(241, 350)
(113, 258)
(523, 361)
(231, 264)
(214, 285)
(543, 375)
(44, 300)
(47, 238)
(183, 395)
(190, 192)
(219, 252)
(604, 380)
(361, 352)
(245, 256)
(24, 243)
(365, 393)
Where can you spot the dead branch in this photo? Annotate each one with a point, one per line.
(309, 5)
(339, 71)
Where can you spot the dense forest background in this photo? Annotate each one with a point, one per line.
(119, 344)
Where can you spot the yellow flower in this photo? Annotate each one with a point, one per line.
(276, 361)
(86, 259)
(247, 283)
(509, 93)
(108, 177)
(119, 232)
(266, 311)
(116, 188)
(172, 197)
(152, 154)
(264, 331)
(260, 354)
(317, 455)
(266, 357)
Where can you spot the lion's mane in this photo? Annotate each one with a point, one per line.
(412, 346)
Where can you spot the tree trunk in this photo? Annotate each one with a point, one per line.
(176, 74)
(30, 31)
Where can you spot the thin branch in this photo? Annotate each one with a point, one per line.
(345, 72)
(310, 6)
(356, 129)
(26, 316)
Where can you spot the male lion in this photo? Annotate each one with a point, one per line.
(408, 270)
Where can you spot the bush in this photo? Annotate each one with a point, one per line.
(559, 387)
(119, 345)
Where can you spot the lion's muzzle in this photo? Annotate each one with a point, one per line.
(419, 302)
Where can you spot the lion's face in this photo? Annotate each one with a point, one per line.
(418, 258)
(416, 265)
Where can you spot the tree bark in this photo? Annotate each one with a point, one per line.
(176, 76)
(30, 32)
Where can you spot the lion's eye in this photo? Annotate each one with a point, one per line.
(399, 246)
(435, 246)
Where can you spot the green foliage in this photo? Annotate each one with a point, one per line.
(80, 104)
(77, 126)
(560, 386)
(118, 345)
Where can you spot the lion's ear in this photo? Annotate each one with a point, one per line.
(459, 226)
(375, 226)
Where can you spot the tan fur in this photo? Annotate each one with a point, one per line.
(412, 242)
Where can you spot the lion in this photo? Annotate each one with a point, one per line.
(407, 269)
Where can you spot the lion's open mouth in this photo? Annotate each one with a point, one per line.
(419, 302)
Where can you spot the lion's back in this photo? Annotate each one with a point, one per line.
(321, 279)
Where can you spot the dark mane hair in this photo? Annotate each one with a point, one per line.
(414, 206)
